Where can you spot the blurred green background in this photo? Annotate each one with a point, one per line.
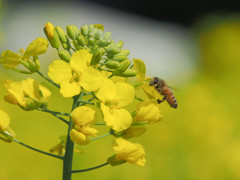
(200, 140)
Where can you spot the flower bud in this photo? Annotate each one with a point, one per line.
(112, 64)
(122, 67)
(61, 34)
(129, 73)
(66, 46)
(52, 35)
(125, 51)
(91, 28)
(63, 38)
(119, 57)
(120, 44)
(81, 40)
(99, 26)
(90, 41)
(107, 35)
(76, 45)
(84, 30)
(113, 49)
(72, 31)
(97, 56)
(98, 34)
(114, 161)
(64, 55)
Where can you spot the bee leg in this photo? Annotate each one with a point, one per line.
(163, 99)
(159, 101)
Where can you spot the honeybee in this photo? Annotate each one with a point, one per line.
(161, 86)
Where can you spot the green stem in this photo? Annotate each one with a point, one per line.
(99, 137)
(89, 169)
(49, 80)
(54, 113)
(67, 160)
(139, 123)
(85, 102)
(40, 151)
(100, 123)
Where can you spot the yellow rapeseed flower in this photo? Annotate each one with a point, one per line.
(140, 68)
(114, 97)
(83, 118)
(76, 74)
(28, 94)
(4, 120)
(148, 111)
(11, 59)
(6, 133)
(128, 152)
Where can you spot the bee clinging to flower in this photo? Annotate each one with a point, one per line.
(161, 86)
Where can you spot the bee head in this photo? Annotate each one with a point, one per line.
(156, 82)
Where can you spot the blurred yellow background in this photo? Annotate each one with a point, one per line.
(200, 140)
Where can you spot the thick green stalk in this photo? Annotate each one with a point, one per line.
(67, 160)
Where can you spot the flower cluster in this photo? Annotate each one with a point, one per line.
(104, 84)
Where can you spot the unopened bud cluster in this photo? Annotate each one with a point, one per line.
(106, 53)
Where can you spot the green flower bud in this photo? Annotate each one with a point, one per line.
(76, 45)
(52, 35)
(81, 40)
(112, 64)
(125, 51)
(90, 41)
(107, 35)
(72, 31)
(64, 55)
(66, 46)
(119, 57)
(63, 38)
(97, 56)
(61, 34)
(122, 67)
(120, 44)
(99, 26)
(98, 34)
(113, 49)
(91, 28)
(84, 30)
(114, 161)
(129, 73)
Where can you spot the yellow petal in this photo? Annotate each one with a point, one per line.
(91, 79)
(148, 111)
(87, 130)
(15, 92)
(69, 89)
(80, 60)
(78, 137)
(83, 115)
(139, 66)
(4, 120)
(151, 92)
(134, 131)
(107, 91)
(46, 93)
(131, 152)
(31, 88)
(10, 59)
(118, 119)
(37, 47)
(125, 93)
(59, 70)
